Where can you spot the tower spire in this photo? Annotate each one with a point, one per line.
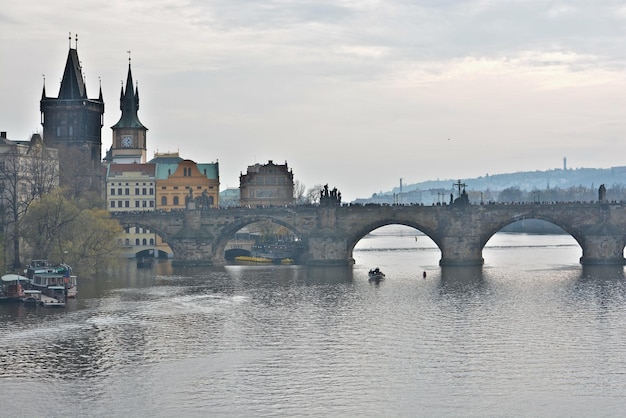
(129, 103)
(43, 92)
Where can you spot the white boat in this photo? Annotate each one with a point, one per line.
(43, 275)
(55, 283)
(55, 296)
(32, 296)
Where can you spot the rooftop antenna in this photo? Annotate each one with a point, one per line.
(76, 46)
(128, 57)
(70, 40)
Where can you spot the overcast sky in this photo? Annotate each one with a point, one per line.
(353, 93)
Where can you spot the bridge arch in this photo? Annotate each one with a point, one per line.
(358, 234)
(496, 227)
(227, 233)
(165, 237)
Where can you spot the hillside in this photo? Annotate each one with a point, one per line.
(431, 191)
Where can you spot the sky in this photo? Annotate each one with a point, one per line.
(357, 94)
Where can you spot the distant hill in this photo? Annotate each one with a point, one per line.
(431, 191)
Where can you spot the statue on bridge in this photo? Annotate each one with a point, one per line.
(602, 194)
(330, 197)
(463, 198)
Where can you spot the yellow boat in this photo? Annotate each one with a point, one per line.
(255, 260)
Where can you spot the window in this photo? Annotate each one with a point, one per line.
(119, 191)
(136, 190)
(127, 242)
(136, 203)
(151, 191)
(143, 204)
(112, 192)
(151, 241)
(137, 241)
(175, 200)
(127, 203)
(119, 204)
(144, 242)
(151, 203)
(163, 200)
(112, 204)
(127, 191)
(143, 191)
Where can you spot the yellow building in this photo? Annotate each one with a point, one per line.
(179, 181)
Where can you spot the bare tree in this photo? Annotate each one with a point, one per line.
(313, 194)
(27, 172)
(299, 192)
(79, 175)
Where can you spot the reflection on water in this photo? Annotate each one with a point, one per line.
(530, 333)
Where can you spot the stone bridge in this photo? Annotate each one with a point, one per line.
(329, 233)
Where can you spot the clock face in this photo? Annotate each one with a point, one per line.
(127, 141)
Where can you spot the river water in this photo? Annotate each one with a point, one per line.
(531, 333)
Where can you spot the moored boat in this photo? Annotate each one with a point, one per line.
(12, 287)
(56, 283)
(252, 260)
(32, 296)
(54, 296)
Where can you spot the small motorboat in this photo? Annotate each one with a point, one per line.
(376, 274)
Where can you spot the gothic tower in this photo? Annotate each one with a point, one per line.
(72, 119)
(129, 134)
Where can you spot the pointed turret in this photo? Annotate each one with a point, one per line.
(72, 85)
(129, 134)
(72, 119)
(129, 105)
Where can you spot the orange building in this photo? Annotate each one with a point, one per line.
(179, 181)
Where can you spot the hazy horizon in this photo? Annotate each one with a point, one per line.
(353, 94)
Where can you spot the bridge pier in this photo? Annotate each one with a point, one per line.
(192, 252)
(603, 250)
(461, 251)
(328, 251)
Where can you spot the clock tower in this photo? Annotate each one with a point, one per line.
(129, 135)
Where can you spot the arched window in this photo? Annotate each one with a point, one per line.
(163, 200)
(137, 241)
(127, 242)
(151, 241)
(175, 200)
(145, 242)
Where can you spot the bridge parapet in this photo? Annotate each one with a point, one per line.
(329, 233)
